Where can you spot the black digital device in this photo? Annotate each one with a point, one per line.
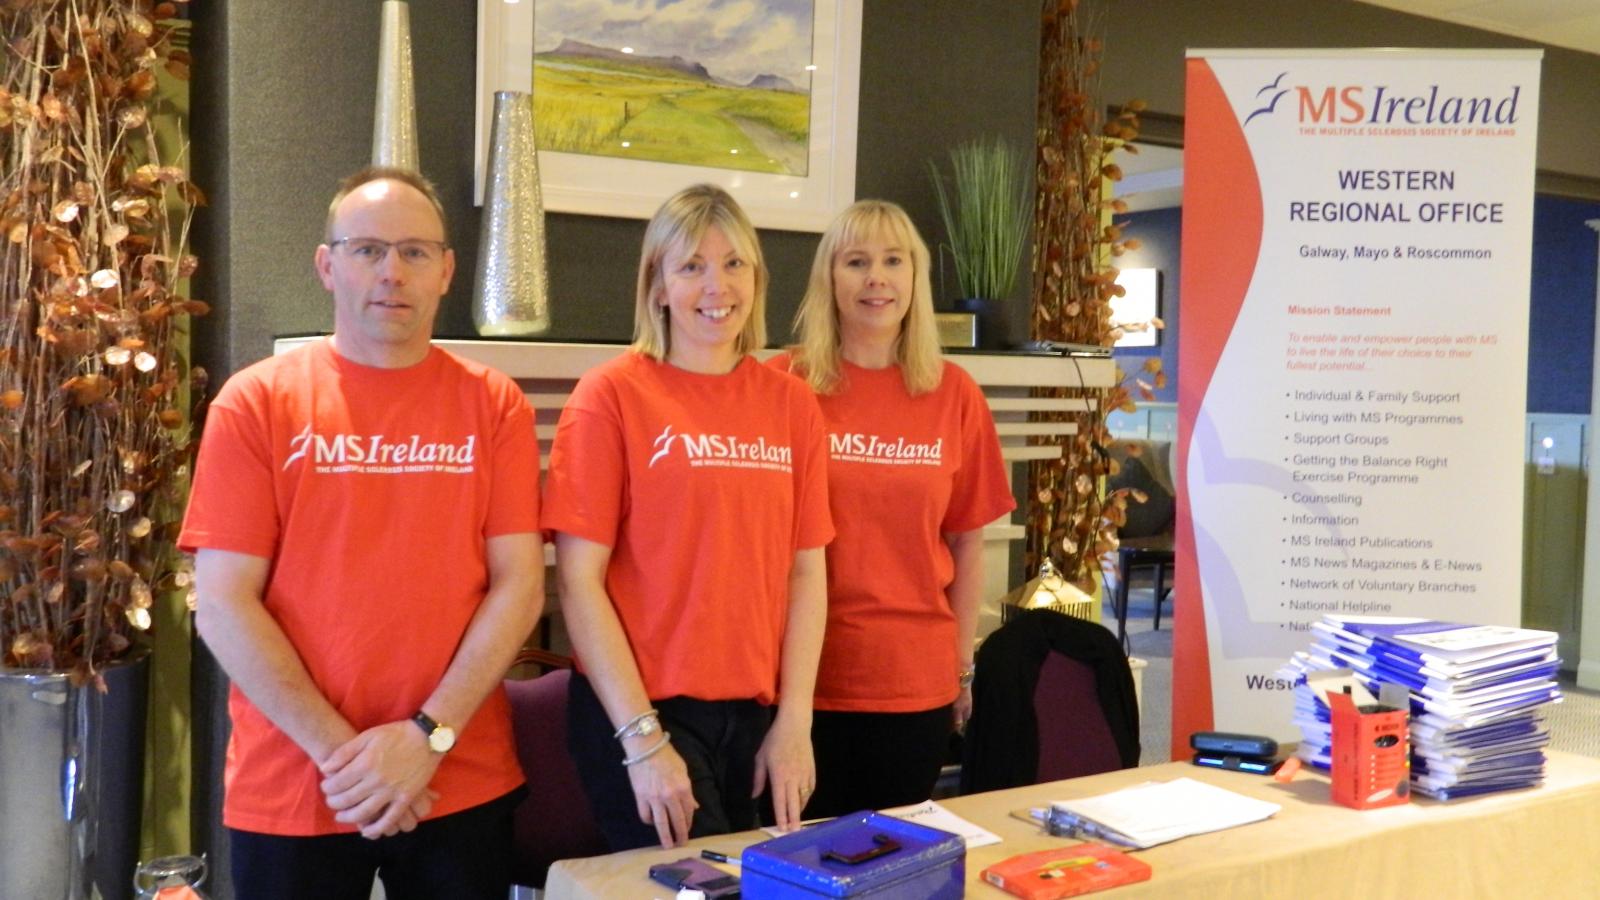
(1226, 743)
(1255, 765)
(695, 875)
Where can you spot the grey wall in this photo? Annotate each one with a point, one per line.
(1146, 40)
(284, 109)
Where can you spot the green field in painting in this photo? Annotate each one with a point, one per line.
(595, 106)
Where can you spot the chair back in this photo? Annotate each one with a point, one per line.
(1074, 737)
(554, 822)
(1054, 698)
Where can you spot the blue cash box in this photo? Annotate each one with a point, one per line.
(864, 854)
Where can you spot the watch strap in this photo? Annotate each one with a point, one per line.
(426, 722)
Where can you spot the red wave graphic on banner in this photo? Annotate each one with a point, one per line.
(1220, 241)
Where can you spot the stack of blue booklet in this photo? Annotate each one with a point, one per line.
(1476, 692)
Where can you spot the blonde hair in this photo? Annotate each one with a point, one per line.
(916, 349)
(676, 229)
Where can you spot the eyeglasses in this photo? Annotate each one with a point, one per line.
(371, 251)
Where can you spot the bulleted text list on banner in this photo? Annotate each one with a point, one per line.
(1357, 231)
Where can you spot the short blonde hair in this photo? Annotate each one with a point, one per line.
(676, 229)
(917, 347)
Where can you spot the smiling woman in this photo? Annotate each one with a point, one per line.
(914, 454)
(697, 643)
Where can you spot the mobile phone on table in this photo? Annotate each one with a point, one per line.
(695, 875)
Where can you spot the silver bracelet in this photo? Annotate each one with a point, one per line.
(650, 751)
(645, 723)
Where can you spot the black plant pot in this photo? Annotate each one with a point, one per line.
(991, 323)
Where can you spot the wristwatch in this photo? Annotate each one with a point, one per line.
(965, 677)
(440, 737)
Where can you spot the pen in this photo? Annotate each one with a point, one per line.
(714, 856)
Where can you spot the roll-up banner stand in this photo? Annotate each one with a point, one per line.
(1357, 230)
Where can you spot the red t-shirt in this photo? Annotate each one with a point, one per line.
(372, 491)
(704, 487)
(903, 472)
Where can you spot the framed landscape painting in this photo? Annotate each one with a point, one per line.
(635, 99)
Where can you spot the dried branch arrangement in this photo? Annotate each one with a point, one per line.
(1069, 522)
(94, 436)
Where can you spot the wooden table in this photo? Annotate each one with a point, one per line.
(1540, 843)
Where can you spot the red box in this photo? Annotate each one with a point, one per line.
(1371, 750)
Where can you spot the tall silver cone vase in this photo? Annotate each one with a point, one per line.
(511, 290)
(394, 118)
(71, 782)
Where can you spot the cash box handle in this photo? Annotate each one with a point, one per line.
(882, 845)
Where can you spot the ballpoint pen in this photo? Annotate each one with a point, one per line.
(714, 856)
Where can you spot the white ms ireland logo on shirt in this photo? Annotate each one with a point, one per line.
(722, 450)
(377, 454)
(869, 448)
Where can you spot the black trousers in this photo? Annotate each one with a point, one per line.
(876, 760)
(466, 854)
(717, 739)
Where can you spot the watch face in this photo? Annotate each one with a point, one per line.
(442, 739)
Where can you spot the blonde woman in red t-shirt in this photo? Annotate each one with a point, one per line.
(688, 493)
(914, 474)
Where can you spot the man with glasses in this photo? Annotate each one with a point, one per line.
(364, 517)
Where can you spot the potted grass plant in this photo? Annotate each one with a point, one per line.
(94, 427)
(986, 209)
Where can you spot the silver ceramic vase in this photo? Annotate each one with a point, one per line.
(71, 782)
(394, 118)
(511, 290)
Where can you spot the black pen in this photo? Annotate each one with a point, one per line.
(714, 856)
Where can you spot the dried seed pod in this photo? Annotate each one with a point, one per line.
(139, 595)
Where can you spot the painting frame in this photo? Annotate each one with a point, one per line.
(626, 188)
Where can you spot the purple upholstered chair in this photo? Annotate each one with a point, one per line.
(1054, 698)
(1074, 737)
(554, 822)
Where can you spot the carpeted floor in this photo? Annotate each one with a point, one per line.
(1574, 722)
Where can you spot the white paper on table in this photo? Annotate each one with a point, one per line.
(1158, 812)
(931, 814)
(928, 813)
